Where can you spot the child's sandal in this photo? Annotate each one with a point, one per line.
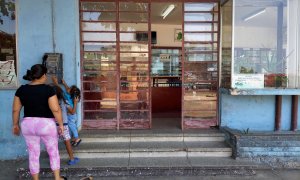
(77, 143)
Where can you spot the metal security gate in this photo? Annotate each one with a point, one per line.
(115, 72)
(200, 63)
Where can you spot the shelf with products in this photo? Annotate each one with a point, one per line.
(166, 67)
(226, 67)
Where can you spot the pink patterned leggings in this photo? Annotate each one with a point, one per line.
(34, 129)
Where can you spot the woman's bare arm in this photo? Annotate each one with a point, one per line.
(55, 108)
(66, 85)
(17, 106)
(73, 110)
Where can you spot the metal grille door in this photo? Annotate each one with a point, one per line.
(115, 64)
(200, 65)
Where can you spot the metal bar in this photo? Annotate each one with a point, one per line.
(209, 12)
(280, 38)
(118, 64)
(201, 22)
(149, 66)
(182, 68)
(278, 108)
(294, 113)
(218, 121)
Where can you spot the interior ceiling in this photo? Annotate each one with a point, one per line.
(175, 17)
(266, 19)
(246, 8)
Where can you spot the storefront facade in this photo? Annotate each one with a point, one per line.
(117, 68)
(239, 66)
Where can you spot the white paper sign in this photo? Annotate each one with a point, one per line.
(165, 57)
(248, 81)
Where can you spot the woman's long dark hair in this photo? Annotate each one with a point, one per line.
(59, 93)
(36, 72)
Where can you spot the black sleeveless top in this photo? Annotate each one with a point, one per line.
(34, 98)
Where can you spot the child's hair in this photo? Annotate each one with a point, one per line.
(75, 92)
(59, 93)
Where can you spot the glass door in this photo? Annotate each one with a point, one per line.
(115, 64)
(99, 64)
(134, 76)
(200, 65)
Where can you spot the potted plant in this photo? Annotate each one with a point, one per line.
(281, 80)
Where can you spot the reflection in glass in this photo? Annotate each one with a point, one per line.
(135, 17)
(99, 46)
(200, 6)
(99, 56)
(200, 27)
(135, 47)
(200, 115)
(200, 106)
(200, 17)
(133, 67)
(88, 36)
(201, 57)
(200, 36)
(134, 115)
(264, 51)
(134, 56)
(128, 37)
(166, 62)
(191, 47)
(99, 66)
(99, 16)
(100, 115)
(133, 26)
(132, 6)
(211, 86)
(98, 6)
(134, 106)
(97, 26)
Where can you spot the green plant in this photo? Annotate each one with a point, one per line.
(281, 80)
(246, 131)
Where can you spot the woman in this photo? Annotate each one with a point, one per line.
(40, 108)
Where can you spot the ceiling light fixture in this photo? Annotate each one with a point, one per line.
(255, 14)
(168, 11)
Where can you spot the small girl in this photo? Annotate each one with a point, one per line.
(72, 95)
(66, 135)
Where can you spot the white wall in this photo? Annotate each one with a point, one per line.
(250, 37)
(165, 34)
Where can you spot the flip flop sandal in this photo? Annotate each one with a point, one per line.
(77, 143)
(64, 177)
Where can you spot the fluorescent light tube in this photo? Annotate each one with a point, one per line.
(168, 11)
(255, 14)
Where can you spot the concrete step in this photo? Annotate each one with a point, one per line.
(150, 149)
(122, 144)
(150, 136)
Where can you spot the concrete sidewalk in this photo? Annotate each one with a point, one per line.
(157, 154)
(262, 172)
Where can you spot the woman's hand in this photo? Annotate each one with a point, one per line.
(61, 130)
(16, 130)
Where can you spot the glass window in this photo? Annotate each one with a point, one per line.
(264, 44)
(226, 44)
(8, 78)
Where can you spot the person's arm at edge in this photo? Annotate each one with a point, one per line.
(54, 80)
(17, 106)
(55, 108)
(66, 85)
(73, 110)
